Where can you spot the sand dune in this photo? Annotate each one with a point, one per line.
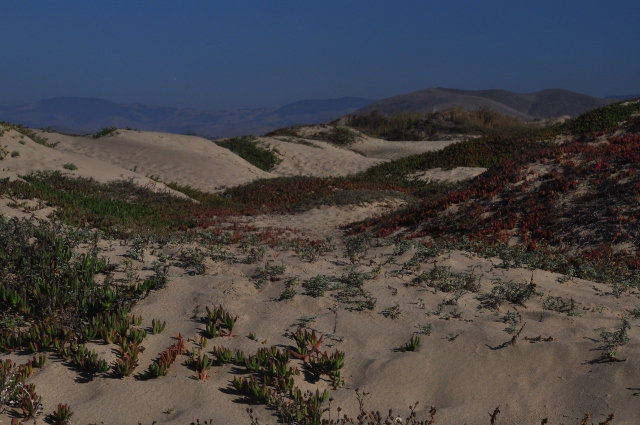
(454, 175)
(320, 160)
(459, 368)
(32, 157)
(186, 160)
(465, 367)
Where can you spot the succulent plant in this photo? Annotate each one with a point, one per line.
(31, 402)
(201, 362)
(39, 361)
(223, 355)
(157, 326)
(212, 330)
(412, 345)
(252, 363)
(125, 365)
(238, 357)
(62, 415)
(136, 336)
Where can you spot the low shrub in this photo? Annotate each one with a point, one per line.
(251, 150)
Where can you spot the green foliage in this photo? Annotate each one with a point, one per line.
(443, 279)
(339, 136)
(510, 291)
(411, 126)
(41, 277)
(157, 326)
(560, 305)
(512, 319)
(70, 166)
(269, 273)
(614, 340)
(27, 132)
(250, 149)
(218, 318)
(62, 415)
(356, 247)
(412, 345)
(192, 260)
(316, 286)
(106, 131)
(603, 119)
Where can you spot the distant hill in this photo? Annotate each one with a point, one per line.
(542, 104)
(88, 115)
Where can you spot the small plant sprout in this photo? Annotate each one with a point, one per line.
(62, 415)
(70, 166)
(304, 321)
(412, 345)
(157, 326)
(424, 329)
(252, 336)
(217, 318)
(613, 341)
(392, 312)
(512, 319)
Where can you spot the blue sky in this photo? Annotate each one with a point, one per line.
(251, 54)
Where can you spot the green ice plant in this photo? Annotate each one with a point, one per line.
(157, 326)
(62, 415)
(412, 345)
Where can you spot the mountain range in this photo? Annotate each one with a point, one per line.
(527, 106)
(88, 115)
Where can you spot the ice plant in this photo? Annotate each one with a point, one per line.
(62, 415)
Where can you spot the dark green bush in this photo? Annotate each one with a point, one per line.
(249, 149)
(107, 131)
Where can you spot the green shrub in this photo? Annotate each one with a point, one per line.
(27, 132)
(70, 166)
(107, 131)
(413, 126)
(249, 149)
(602, 119)
(341, 136)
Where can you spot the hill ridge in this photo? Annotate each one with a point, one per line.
(548, 103)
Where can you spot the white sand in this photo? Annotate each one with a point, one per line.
(186, 160)
(453, 175)
(458, 368)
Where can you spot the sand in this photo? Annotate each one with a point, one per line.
(186, 160)
(453, 175)
(32, 157)
(462, 368)
(320, 160)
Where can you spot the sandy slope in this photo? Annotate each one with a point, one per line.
(463, 368)
(186, 160)
(459, 368)
(35, 157)
(320, 160)
(453, 175)
(378, 148)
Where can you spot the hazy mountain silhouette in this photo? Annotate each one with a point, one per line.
(87, 115)
(542, 104)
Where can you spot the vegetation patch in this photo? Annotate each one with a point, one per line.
(251, 150)
(4, 126)
(107, 131)
(414, 126)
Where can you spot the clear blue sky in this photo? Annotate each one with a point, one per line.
(250, 54)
